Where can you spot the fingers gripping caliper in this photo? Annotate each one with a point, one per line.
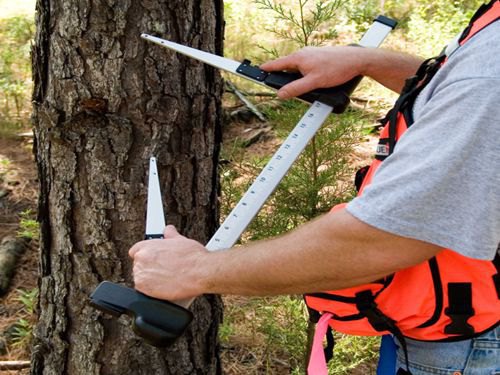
(160, 322)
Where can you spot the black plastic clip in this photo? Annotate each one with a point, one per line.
(459, 309)
(248, 70)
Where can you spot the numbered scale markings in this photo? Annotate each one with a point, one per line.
(267, 181)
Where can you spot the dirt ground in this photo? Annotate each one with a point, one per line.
(18, 191)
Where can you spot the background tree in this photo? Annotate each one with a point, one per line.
(104, 102)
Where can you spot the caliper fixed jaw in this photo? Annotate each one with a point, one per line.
(158, 322)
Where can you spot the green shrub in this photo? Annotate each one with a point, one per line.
(28, 226)
(23, 329)
(433, 24)
(319, 179)
(352, 352)
(16, 34)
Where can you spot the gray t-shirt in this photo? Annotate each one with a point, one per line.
(442, 183)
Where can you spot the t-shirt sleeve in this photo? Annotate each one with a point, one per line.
(442, 183)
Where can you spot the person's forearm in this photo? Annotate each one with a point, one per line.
(389, 68)
(333, 252)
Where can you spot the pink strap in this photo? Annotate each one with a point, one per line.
(317, 361)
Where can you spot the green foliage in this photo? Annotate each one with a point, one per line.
(304, 25)
(252, 34)
(23, 329)
(351, 352)
(226, 330)
(5, 163)
(275, 327)
(22, 333)
(28, 226)
(362, 13)
(16, 34)
(428, 24)
(423, 26)
(244, 30)
(436, 22)
(4, 170)
(28, 299)
(284, 326)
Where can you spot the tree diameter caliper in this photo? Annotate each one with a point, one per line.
(160, 322)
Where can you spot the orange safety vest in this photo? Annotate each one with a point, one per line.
(447, 298)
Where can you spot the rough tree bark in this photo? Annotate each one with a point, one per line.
(104, 102)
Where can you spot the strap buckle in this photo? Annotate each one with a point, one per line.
(459, 309)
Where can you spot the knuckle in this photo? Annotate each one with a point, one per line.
(296, 55)
(141, 255)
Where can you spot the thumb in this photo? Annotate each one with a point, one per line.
(170, 232)
(298, 87)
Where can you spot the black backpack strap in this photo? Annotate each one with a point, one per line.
(496, 277)
(404, 104)
(479, 13)
(380, 322)
(360, 177)
(438, 293)
(403, 372)
(330, 344)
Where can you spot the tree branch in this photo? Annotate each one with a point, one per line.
(14, 365)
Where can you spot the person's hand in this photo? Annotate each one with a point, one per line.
(322, 67)
(168, 268)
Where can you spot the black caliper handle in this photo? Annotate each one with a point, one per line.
(159, 322)
(336, 97)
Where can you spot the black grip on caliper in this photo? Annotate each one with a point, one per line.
(159, 322)
(336, 97)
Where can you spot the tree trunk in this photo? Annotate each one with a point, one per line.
(104, 102)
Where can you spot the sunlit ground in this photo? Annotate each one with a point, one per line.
(11, 8)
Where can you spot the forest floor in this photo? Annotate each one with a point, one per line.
(18, 199)
(18, 192)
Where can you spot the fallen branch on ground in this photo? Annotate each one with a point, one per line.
(247, 102)
(11, 249)
(14, 365)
